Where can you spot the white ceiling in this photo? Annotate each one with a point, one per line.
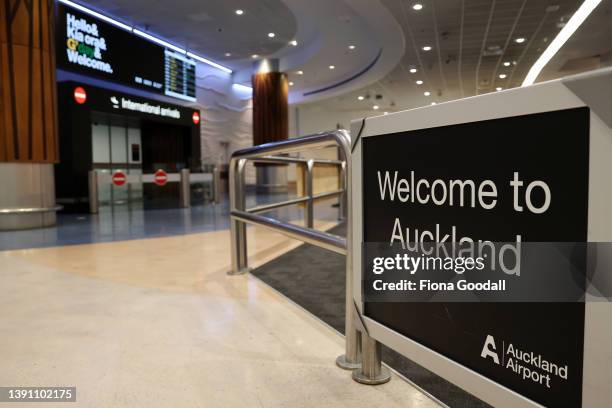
(470, 40)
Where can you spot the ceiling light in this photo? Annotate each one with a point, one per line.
(332, 67)
(293, 42)
(507, 64)
(360, 97)
(502, 76)
(499, 88)
(96, 14)
(291, 83)
(566, 32)
(433, 103)
(352, 47)
(519, 40)
(419, 82)
(385, 113)
(426, 93)
(427, 48)
(375, 107)
(413, 70)
(271, 35)
(228, 54)
(417, 6)
(299, 72)
(255, 56)
(239, 12)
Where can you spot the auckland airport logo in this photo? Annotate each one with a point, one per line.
(529, 366)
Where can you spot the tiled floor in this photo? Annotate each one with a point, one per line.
(158, 323)
(118, 223)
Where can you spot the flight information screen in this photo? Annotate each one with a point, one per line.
(179, 74)
(90, 46)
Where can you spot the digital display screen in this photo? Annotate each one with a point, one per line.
(89, 46)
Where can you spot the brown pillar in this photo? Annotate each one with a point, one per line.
(270, 120)
(28, 113)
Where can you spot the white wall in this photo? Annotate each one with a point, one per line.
(226, 116)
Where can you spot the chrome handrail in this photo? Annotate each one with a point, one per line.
(240, 215)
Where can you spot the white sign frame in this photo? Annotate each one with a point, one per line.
(592, 89)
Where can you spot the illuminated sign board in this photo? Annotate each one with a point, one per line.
(89, 46)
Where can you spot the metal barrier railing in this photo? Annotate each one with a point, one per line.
(240, 216)
(184, 178)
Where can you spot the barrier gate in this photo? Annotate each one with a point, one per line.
(522, 167)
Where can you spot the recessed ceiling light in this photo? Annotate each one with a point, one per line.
(519, 40)
(499, 88)
(413, 70)
(271, 35)
(502, 76)
(352, 47)
(299, 72)
(375, 107)
(361, 97)
(427, 48)
(433, 103)
(293, 42)
(507, 64)
(228, 54)
(419, 82)
(240, 12)
(255, 56)
(290, 83)
(417, 6)
(426, 93)
(332, 67)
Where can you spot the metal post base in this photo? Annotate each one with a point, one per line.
(383, 377)
(342, 362)
(240, 272)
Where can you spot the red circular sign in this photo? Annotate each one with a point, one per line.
(80, 96)
(160, 178)
(119, 178)
(195, 117)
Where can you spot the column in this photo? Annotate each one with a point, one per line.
(28, 114)
(270, 120)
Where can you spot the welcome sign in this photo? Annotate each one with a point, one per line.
(475, 220)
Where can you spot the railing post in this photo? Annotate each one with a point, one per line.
(93, 191)
(216, 187)
(352, 355)
(372, 371)
(309, 208)
(342, 205)
(184, 189)
(238, 228)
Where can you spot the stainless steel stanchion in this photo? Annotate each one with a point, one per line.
(342, 206)
(372, 372)
(238, 228)
(93, 191)
(309, 208)
(184, 189)
(351, 359)
(216, 185)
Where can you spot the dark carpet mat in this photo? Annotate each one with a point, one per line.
(315, 279)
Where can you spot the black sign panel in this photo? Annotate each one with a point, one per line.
(93, 47)
(535, 349)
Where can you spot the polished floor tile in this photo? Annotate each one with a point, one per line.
(158, 323)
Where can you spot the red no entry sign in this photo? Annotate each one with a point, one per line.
(119, 178)
(160, 178)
